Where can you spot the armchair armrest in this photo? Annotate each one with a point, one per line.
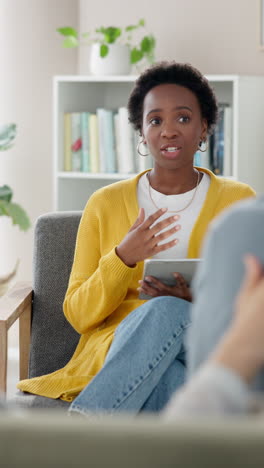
(16, 303)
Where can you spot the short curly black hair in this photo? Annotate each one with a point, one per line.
(182, 74)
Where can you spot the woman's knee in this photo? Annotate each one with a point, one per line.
(158, 321)
(171, 308)
(163, 311)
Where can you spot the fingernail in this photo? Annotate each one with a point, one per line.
(164, 209)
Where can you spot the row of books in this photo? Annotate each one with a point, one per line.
(104, 142)
(218, 154)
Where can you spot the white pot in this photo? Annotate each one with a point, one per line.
(117, 61)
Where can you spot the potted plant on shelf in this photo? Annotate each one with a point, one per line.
(113, 51)
(7, 206)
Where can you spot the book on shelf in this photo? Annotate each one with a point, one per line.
(109, 140)
(228, 119)
(218, 155)
(124, 142)
(221, 149)
(76, 141)
(67, 160)
(217, 144)
(107, 149)
(117, 142)
(85, 160)
(94, 143)
(101, 136)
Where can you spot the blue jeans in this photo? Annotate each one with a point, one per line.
(145, 363)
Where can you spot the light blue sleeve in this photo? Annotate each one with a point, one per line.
(238, 231)
(213, 391)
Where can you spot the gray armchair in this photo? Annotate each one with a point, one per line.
(46, 339)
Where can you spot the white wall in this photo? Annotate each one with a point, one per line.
(216, 36)
(30, 54)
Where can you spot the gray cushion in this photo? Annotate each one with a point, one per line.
(53, 340)
(27, 400)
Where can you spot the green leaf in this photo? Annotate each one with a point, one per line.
(131, 27)
(104, 50)
(16, 213)
(2, 209)
(100, 30)
(147, 44)
(135, 55)
(6, 193)
(70, 42)
(68, 31)
(111, 34)
(7, 136)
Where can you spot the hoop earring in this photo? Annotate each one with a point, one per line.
(138, 148)
(200, 146)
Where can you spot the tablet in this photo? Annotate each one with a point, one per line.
(163, 269)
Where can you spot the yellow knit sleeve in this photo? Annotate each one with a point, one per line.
(234, 192)
(99, 280)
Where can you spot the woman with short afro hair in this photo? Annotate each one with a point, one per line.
(175, 73)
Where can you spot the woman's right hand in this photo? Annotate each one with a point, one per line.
(142, 239)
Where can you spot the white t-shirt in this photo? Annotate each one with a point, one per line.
(187, 218)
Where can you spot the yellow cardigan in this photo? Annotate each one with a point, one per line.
(102, 290)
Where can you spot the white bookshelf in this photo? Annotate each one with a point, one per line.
(245, 94)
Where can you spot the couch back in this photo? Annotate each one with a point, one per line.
(52, 439)
(53, 340)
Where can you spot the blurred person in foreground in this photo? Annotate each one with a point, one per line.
(225, 341)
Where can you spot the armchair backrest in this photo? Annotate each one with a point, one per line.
(53, 340)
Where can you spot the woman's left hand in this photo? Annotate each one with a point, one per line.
(153, 287)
